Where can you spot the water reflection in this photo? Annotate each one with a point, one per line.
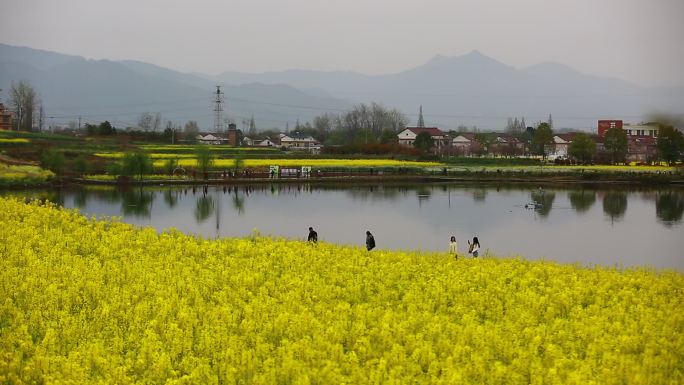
(581, 201)
(137, 202)
(543, 201)
(480, 195)
(239, 202)
(669, 208)
(430, 213)
(615, 205)
(204, 207)
(370, 192)
(80, 198)
(171, 197)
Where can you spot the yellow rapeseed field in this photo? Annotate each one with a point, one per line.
(98, 301)
(14, 141)
(322, 163)
(10, 174)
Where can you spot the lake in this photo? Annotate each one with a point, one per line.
(618, 226)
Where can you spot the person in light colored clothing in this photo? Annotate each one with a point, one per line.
(453, 247)
(474, 247)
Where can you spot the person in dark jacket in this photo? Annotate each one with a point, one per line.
(313, 236)
(370, 241)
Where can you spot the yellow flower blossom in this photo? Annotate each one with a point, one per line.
(87, 301)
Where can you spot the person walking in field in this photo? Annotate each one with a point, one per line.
(453, 247)
(313, 236)
(474, 247)
(370, 241)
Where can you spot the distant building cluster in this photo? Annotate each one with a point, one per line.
(287, 141)
(642, 139)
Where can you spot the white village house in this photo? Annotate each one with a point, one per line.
(297, 141)
(465, 144)
(409, 135)
(211, 139)
(258, 142)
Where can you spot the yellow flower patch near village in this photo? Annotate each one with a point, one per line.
(98, 301)
(323, 163)
(22, 173)
(14, 141)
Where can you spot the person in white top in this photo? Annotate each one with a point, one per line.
(474, 247)
(453, 247)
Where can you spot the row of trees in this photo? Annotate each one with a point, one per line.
(364, 124)
(669, 144)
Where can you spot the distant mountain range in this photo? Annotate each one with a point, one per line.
(466, 90)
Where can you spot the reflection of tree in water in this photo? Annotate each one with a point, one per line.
(423, 194)
(582, 200)
(80, 197)
(171, 198)
(670, 207)
(55, 196)
(137, 202)
(108, 195)
(480, 195)
(204, 207)
(373, 192)
(543, 201)
(615, 204)
(239, 203)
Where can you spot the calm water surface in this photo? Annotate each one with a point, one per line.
(623, 227)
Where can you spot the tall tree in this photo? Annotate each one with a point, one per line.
(670, 144)
(542, 139)
(421, 122)
(157, 122)
(323, 123)
(136, 164)
(145, 121)
(252, 127)
(23, 99)
(190, 130)
(423, 142)
(582, 148)
(41, 115)
(205, 159)
(615, 143)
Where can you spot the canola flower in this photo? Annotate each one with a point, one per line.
(212, 147)
(320, 163)
(14, 141)
(189, 160)
(99, 301)
(17, 174)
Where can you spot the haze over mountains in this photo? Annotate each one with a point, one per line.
(466, 90)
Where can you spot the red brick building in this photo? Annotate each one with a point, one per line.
(5, 118)
(605, 125)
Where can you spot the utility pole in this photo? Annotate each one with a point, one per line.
(79, 123)
(40, 119)
(218, 108)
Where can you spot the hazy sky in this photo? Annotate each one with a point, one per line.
(637, 40)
